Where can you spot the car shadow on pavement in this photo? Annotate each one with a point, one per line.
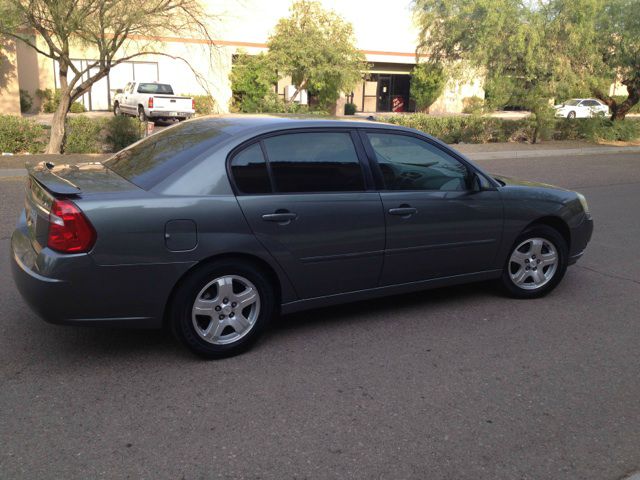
(120, 343)
(391, 305)
(98, 344)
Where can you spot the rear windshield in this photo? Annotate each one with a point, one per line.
(150, 161)
(163, 88)
(572, 102)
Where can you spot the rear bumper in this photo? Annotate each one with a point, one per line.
(170, 114)
(580, 237)
(73, 290)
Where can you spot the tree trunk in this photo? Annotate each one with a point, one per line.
(619, 111)
(295, 94)
(59, 124)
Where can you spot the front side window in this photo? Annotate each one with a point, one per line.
(249, 171)
(409, 163)
(314, 162)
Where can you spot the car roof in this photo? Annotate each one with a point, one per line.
(233, 124)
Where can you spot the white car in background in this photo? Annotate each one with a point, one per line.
(581, 108)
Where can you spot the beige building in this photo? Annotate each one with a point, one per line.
(387, 37)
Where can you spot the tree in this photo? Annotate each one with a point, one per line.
(316, 48)
(599, 43)
(113, 30)
(504, 38)
(427, 83)
(545, 48)
(252, 80)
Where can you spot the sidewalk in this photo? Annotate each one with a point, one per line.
(12, 166)
(490, 151)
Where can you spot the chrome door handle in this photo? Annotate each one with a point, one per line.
(403, 211)
(279, 217)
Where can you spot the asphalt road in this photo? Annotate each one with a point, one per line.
(457, 383)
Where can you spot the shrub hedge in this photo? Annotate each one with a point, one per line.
(97, 135)
(479, 129)
(49, 101)
(18, 135)
(204, 104)
(84, 134)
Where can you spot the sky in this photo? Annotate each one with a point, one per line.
(385, 25)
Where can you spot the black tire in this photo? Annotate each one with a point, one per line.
(116, 109)
(141, 115)
(571, 115)
(556, 239)
(181, 314)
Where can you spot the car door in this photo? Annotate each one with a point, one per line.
(126, 96)
(442, 219)
(584, 109)
(304, 195)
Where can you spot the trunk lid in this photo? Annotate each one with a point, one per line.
(46, 182)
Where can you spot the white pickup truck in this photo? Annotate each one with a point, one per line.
(151, 100)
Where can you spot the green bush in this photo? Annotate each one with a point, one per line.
(122, 132)
(349, 108)
(205, 104)
(542, 120)
(597, 129)
(49, 101)
(427, 83)
(84, 135)
(18, 135)
(252, 80)
(77, 107)
(473, 105)
(26, 101)
(97, 135)
(471, 129)
(480, 129)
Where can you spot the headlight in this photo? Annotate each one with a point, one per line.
(583, 202)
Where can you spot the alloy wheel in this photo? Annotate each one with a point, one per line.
(533, 263)
(226, 309)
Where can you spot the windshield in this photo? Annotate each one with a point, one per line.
(163, 88)
(572, 102)
(150, 161)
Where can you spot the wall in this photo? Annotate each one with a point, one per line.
(9, 83)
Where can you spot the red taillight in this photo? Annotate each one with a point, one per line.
(193, 104)
(150, 102)
(69, 230)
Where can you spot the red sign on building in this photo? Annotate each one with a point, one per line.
(397, 103)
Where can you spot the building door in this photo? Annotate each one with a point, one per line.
(384, 93)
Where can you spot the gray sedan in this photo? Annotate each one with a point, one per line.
(214, 226)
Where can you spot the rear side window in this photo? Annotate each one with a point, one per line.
(249, 171)
(409, 163)
(150, 161)
(314, 162)
(160, 88)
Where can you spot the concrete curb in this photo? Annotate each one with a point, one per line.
(12, 172)
(20, 172)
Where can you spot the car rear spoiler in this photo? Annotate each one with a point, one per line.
(44, 174)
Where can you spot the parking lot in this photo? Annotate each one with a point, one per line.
(456, 383)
